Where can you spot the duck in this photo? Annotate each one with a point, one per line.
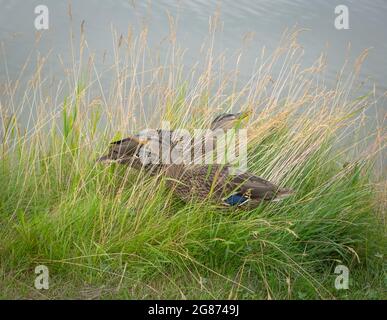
(129, 150)
(218, 183)
(221, 185)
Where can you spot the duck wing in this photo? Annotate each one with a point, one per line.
(124, 149)
(256, 187)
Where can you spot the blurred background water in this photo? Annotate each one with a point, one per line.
(265, 20)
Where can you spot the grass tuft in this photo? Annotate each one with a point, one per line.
(112, 232)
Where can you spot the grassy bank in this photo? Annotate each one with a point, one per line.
(112, 232)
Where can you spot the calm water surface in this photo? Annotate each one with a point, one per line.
(266, 19)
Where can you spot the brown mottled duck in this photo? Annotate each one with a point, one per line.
(215, 183)
(218, 184)
(128, 151)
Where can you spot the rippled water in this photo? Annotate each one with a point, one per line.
(266, 19)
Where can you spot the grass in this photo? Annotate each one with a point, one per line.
(111, 232)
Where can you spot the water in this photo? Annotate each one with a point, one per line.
(265, 19)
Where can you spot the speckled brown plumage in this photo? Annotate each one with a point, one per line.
(215, 182)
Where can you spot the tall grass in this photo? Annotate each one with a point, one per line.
(109, 231)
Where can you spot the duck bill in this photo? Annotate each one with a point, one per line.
(244, 114)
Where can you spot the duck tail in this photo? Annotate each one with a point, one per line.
(115, 153)
(112, 158)
(283, 194)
